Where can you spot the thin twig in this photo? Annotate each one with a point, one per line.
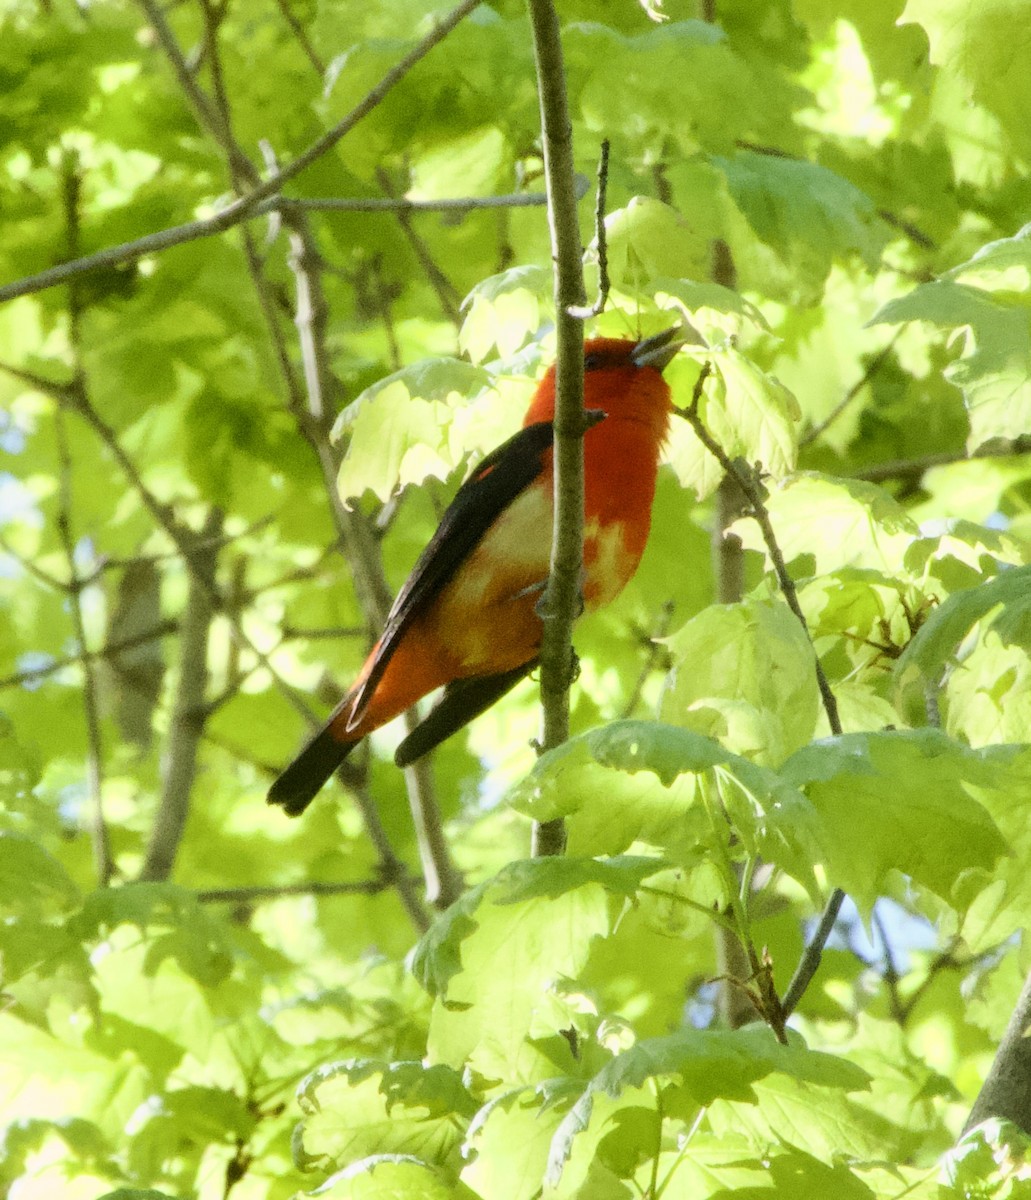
(890, 974)
(654, 658)
(37, 572)
(311, 321)
(90, 706)
(812, 955)
(108, 650)
(399, 204)
(71, 195)
(301, 34)
(247, 895)
(914, 468)
(443, 881)
(241, 208)
(561, 600)
(166, 521)
(872, 367)
(448, 295)
(593, 310)
(746, 481)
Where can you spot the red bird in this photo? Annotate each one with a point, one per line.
(467, 620)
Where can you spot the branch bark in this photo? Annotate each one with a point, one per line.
(561, 601)
(187, 721)
(1007, 1090)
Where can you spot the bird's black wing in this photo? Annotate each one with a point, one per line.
(461, 702)
(496, 482)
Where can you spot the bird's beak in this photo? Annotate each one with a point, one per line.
(658, 350)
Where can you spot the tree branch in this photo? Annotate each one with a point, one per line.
(443, 881)
(312, 314)
(108, 650)
(188, 711)
(561, 602)
(1007, 1090)
(91, 709)
(595, 309)
(246, 895)
(749, 486)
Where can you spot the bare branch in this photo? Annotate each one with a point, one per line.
(90, 706)
(599, 234)
(108, 650)
(301, 34)
(247, 895)
(812, 956)
(448, 295)
(188, 710)
(443, 881)
(560, 603)
(872, 367)
(313, 419)
(1007, 1090)
(911, 469)
(37, 572)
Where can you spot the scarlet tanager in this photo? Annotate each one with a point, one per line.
(466, 620)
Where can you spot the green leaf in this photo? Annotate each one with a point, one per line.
(596, 780)
(834, 523)
(393, 1176)
(750, 414)
(899, 801)
(502, 311)
(983, 46)
(363, 1106)
(994, 369)
(745, 674)
(31, 881)
(437, 957)
(177, 927)
(498, 964)
(507, 1146)
(649, 241)
(703, 1065)
(811, 216)
(938, 640)
(405, 428)
(718, 312)
(136, 1194)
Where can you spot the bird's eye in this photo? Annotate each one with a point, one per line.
(592, 362)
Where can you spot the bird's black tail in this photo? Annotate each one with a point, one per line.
(302, 780)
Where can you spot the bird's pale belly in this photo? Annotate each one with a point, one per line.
(487, 615)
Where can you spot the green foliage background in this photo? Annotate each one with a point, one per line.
(835, 195)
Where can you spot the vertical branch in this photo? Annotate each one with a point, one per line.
(561, 600)
(71, 187)
(442, 879)
(188, 711)
(733, 957)
(94, 758)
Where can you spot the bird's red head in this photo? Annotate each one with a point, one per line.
(621, 378)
